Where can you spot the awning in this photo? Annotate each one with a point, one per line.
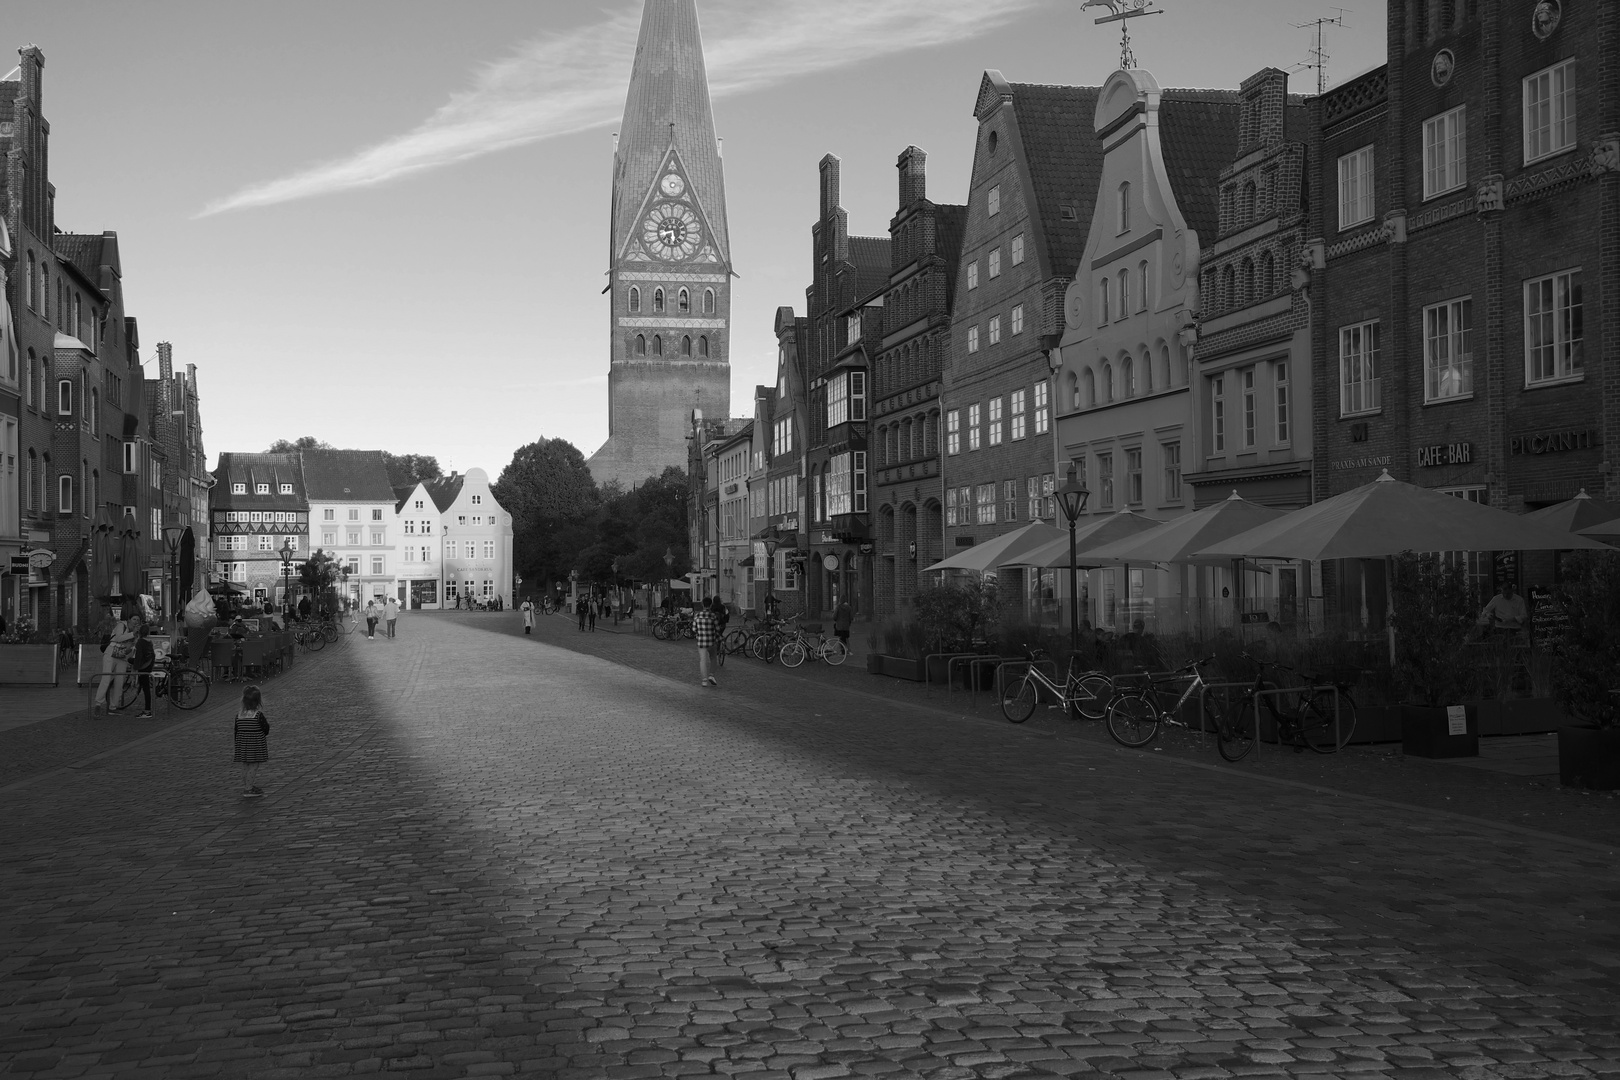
(747, 562)
(1001, 550)
(228, 587)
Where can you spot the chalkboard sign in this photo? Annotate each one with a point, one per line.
(1549, 624)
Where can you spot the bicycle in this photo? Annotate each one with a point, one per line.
(1083, 693)
(1323, 721)
(798, 647)
(1135, 714)
(186, 688)
(309, 635)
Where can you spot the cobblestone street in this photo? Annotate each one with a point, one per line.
(484, 854)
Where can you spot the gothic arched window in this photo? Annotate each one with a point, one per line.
(641, 344)
(1106, 381)
(686, 342)
(1268, 274)
(683, 300)
(708, 301)
(658, 301)
(703, 346)
(1247, 296)
(658, 345)
(1127, 378)
(635, 299)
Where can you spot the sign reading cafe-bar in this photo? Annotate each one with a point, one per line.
(1459, 453)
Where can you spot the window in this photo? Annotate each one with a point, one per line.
(328, 515)
(635, 300)
(703, 346)
(1172, 471)
(1043, 414)
(1133, 477)
(658, 301)
(1358, 369)
(132, 457)
(261, 489)
(354, 513)
(1549, 111)
(782, 437)
(1217, 414)
(1123, 207)
(995, 329)
(1105, 481)
(489, 549)
(410, 527)
(1018, 319)
(974, 412)
(1142, 283)
(377, 564)
(377, 537)
(641, 344)
(1444, 152)
(995, 421)
(329, 537)
(985, 497)
(995, 262)
(1127, 378)
(1279, 387)
(1448, 356)
(64, 494)
(1009, 500)
(1124, 303)
(950, 507)
(1018, 249)
(241, 489)
(64, 397)
(686, 345)
(1019, 400)
(846, 398)
(1034, 506)
(286, 489)
(994, 200)
(973, 339)
(1102, 302)
(1356, 187)
(708, 301)
(683, 302)
(267, 543)
(353, 536)
(953, 431)
(1552, 328)
(846, 484)
(427, 528)
(1249, 407)
(472, 549)
(658, 345)
(973, 274)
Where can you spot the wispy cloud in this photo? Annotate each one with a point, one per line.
(574, 81)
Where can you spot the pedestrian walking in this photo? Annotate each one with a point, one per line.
(707, 632)
(580, 604)
(144, 661)
(371, 618)
(303, 608)
(252, 745)
(842, 617)
(391, 614)
(528, 617)
(591, 606)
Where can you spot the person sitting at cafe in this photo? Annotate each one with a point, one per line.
(1507, 612)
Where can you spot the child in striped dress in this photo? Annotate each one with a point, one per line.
(252, 730)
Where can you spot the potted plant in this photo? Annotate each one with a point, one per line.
(25, 656)
(896, 650)
(1434, 618)
(955, 619)
(1587, 676)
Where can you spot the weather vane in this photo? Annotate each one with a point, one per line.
(1120, 11)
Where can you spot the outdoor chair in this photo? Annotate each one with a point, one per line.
(219, 657)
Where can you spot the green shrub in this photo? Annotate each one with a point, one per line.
(1588, 660)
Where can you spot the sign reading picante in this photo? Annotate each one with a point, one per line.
(1554, 442)
(1459, 453)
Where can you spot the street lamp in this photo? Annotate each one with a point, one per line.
(772, 540)
(1072, 497)
(171, 541)
(286, 554)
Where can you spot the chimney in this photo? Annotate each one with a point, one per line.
(1265, 101)
(165, 376)
(913, 166)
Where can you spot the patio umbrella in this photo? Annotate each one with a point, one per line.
(1002, 550)
(1387, 517)
(1574, 515)
(129, 566)
(1093, 534)
(102, 548)
(1604, 529)
(1177, 539)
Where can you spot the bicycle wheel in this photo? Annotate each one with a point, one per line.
(314, 641)
(187, 688)
(792, 653)
(132, 690)
(735, 641)
(1018, 699)
(835, 652)
(720, 651)
(329, 631)
(1090, 697)
(661, 630)
(764, 646)
(1237, 732)
(1133, 720)
(1316, 721)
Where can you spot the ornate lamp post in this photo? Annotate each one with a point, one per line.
(1072, 497)
(171, 543)
(669, 568)
(286, 554)
(772, 542)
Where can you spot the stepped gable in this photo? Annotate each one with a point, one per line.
(346, 476)
(668, 107)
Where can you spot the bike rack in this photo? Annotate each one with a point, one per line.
(973, 672)
(1022, 662)
(949, 658)
(1279, 692)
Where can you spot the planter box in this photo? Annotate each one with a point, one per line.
(895, 667)
(1589, 758)
(1377, 724)
(28, 664)
(1425, 732)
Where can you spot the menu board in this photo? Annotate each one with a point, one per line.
(1549, 623)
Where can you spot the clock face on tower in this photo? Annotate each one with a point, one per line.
(671, 232)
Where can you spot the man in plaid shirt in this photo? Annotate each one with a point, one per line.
(707, 631)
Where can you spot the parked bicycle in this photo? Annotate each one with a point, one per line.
(666, 627)
(1136, 711)
(310, 635)
(1323, 720)
(1083, 694)
(807, 642)
(184, 687)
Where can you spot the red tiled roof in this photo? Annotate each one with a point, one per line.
(346, 476)
(1198, 130)
(1064, 160)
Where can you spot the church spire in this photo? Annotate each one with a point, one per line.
(667, 109)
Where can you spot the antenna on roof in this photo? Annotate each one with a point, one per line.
(1120, 11)
(1318, 54)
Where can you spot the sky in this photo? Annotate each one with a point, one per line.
(384, 222)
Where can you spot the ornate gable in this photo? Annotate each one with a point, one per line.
(671, 226)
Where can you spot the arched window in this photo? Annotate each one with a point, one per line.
(1246, 293)
(905, 439)
(31, 283)
(703, 346)
(1105, 383)
(686, 345)
(1102, 302)
(683, 300)
(658, 301)
(95, 412)
(658, 345)
(64, 493)
(635, 299)
(1268, 274)
(931, 435)
(64, 397)
(708, 301)
(1174, 375)
(1127, 378)
(1124, 294)
(95, 492)
(1085, 395)
(1142, 286)
(1125, 207)
(1228, 294)
(31, 496)
(1245, 206)
(641, 344)
(1148, 382)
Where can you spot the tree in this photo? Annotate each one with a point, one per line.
(548, 490)
(407, 470)
(637, 528)
(306, 442)
(319, 575)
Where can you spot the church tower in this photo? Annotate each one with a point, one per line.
(670, 268)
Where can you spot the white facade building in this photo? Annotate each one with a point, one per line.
(352, 518)
(457, 520)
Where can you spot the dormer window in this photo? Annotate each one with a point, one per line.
(286, 489)
(261, 489)
(238, 489)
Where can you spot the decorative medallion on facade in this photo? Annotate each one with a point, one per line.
(1545, 18)
(1442, 67)
(1488, 195)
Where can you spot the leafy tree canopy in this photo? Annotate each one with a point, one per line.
(306, 442)
(548, 490)
(410, 469)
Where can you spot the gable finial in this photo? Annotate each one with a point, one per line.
(1121, 11)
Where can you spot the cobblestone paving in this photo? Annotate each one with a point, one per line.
(484, 855)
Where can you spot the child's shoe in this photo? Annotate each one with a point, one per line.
(147, 715)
